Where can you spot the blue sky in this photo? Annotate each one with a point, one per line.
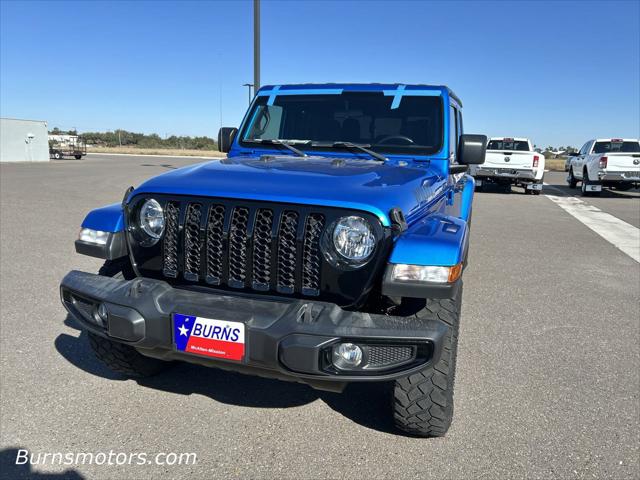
(557, 72)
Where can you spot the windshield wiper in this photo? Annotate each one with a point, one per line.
(284, 143)
(358, 146)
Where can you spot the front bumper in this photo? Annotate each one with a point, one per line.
(506, 173)
(283, 339)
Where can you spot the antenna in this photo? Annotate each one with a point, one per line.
(256, 45)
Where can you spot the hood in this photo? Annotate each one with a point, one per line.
(344, 182)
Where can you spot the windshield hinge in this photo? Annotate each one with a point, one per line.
(450, 197)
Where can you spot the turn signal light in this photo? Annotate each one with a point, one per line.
(603, 162)
(536, 159)
(455, 272)
(429, 274)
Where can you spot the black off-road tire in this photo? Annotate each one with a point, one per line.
(125, 359)
(78, 157)
(119, 357)
(423, 401)
(571, 180)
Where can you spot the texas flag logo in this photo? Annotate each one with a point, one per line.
(209, 337)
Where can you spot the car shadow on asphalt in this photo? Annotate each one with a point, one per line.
(496, 189)
(168, 166)
(10, 469)
(76, 350)
(368, 404)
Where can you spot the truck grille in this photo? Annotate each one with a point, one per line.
(244, 246)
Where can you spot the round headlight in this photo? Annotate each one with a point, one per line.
(353, 238)
(152, 218)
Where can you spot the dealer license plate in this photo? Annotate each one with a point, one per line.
(208, 337)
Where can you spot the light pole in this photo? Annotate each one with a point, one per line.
(256, 45)
(249, 85)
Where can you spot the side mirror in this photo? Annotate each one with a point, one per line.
(225, 138)
(472, 149)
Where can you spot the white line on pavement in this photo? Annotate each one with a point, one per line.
(615, 231)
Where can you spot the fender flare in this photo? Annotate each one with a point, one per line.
(109, 218)
(439, 240)
(105, 219)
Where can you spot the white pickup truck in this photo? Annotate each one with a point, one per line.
(510, 161)
(609, 162)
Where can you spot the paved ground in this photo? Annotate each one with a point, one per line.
(548, 379)
(612, 201)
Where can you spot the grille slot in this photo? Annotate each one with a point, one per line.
(258, 247)
(192, 242)
(262, 249)
(238, 247)
(311, 259)
(287, 252)
(215, 249)
(170, 242)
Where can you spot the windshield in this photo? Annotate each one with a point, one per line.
(612, 147)
(366, 118)
(512, 145)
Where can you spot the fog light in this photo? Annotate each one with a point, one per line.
(101, 314)
(347, 356)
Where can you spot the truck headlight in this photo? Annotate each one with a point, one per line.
(353, 238)
(152, 218)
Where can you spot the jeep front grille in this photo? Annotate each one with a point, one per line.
(243, 246)
(254, 247)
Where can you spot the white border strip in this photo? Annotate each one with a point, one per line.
(621, 234)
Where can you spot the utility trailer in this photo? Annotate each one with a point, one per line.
(61, 146)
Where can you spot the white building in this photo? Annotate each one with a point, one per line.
(23, 140)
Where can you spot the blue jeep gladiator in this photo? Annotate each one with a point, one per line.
(327, 248)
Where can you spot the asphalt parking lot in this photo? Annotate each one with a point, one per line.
(548, 379)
